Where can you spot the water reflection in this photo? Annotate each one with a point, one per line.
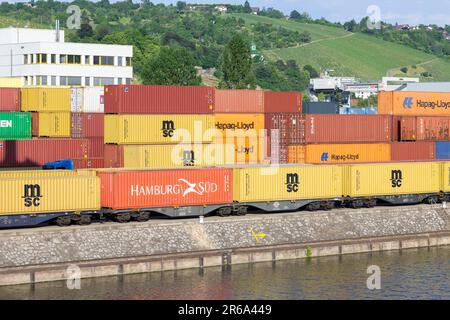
(412, 274)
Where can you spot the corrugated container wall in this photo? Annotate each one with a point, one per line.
(413, 151)
(31, 153)
(432, 128)
(443, 150)
(367, 180)
(167, 156)
(158, 129)
(11, 82)
(96, 147)
(15, 125)
(45, 99)
(9, 99)
(250, 184)
(51, 194)
(347, 128)
(89, 163)
(153, 99)
(14, 174)
(87, 125)
(340, 153)
(165, 188)
(53, 124)
(89, 99)
(239, 101)
(414, 103)
(286, 102)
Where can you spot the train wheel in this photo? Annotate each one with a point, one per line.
(356, 204)
(241, 211)
(327, 206)
(224, 212)
(63, 221)
(431, 200)
(122, 217)
(143, 216)
(83, 220)
(313, 206)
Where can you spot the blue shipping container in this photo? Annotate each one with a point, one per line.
(443, 150)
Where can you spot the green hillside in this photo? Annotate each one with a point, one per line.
(354, 54)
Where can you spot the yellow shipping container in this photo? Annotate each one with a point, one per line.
(45, 99)
(176, 156)
(158, 129)
(245, 132)
(257, 184)
(54, 124)
(367, 180)
(15, 82)
(445, 176)
(36, 173)
(339, 153)
(56, 194)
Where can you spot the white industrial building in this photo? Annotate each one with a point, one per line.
(41, 57)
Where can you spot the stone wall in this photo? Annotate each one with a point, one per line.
(112, 240)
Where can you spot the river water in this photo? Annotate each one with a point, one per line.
(410, 274)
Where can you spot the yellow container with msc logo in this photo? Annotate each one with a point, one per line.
(367, 180)
(286, 182)
(49, 194)
(9, 174)
(158, 129)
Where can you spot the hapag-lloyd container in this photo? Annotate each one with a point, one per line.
(239, 101)
(30, 153)
(87, 125)
(158, 129)
(153, 99)
(165, 188)
(88, 99)
(414, 103)
(15, 125)
(347, 128)
(9, 99)
(413, 151)
(286, 102)
(45, 99)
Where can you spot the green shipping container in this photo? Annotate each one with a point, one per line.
(15, 125)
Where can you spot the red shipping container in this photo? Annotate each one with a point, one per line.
(9, 99)
(290, 102)
(165, 188)
(432, 128)
(396, 128)
(96, 147)
(413, 151)
(408, 129)
(113, 156)
(35, 124)
(30, 153)
(87, 125)
(140, 99)
(330, 128)
(239, 101)
(88, 163)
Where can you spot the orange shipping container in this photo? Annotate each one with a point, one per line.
(165, 188)
(239, 101)
(339, 153)
(414, 103)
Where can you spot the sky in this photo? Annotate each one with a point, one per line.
(411, 12)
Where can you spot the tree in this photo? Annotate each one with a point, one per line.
(312, 72)
(85, 30)
(247, 8)
(181, 5)
(295, 15)
(236, 65)
(171, 66)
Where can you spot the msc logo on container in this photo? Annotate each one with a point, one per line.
(188, 158)
(32, 195)
(292, 182)
(324, 156)
(168, 127)
(396, 178)
(6, 123)
(407, 103)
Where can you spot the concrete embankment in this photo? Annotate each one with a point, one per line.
(44, 254)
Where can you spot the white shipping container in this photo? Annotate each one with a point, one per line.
(89, 99)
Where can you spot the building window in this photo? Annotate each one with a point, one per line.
(74, 81)
(32, 58)
(53, 81)
(53, 58)
(119, 80)
(128, 61)
(119, 61)
(62, 58)
(96, 60)
(103, 81)
(87, 81)
(87, 59)
(43, 58)
(73, 59)
(128, 80)
(25, 59)
(104, 60)
(41, 80)
(63, 81)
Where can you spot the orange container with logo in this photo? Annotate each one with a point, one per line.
(414, 103)
(165, 188)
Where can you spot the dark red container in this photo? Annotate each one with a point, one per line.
(396, 128)
(290, 102)
(88, 163)
(330, 128)
(113, 156)
(432, 128)
(413, 151)
(159, 99)
(35, 124)
(87, 125)
(9, 99)
(30, 153)
(96, 147)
